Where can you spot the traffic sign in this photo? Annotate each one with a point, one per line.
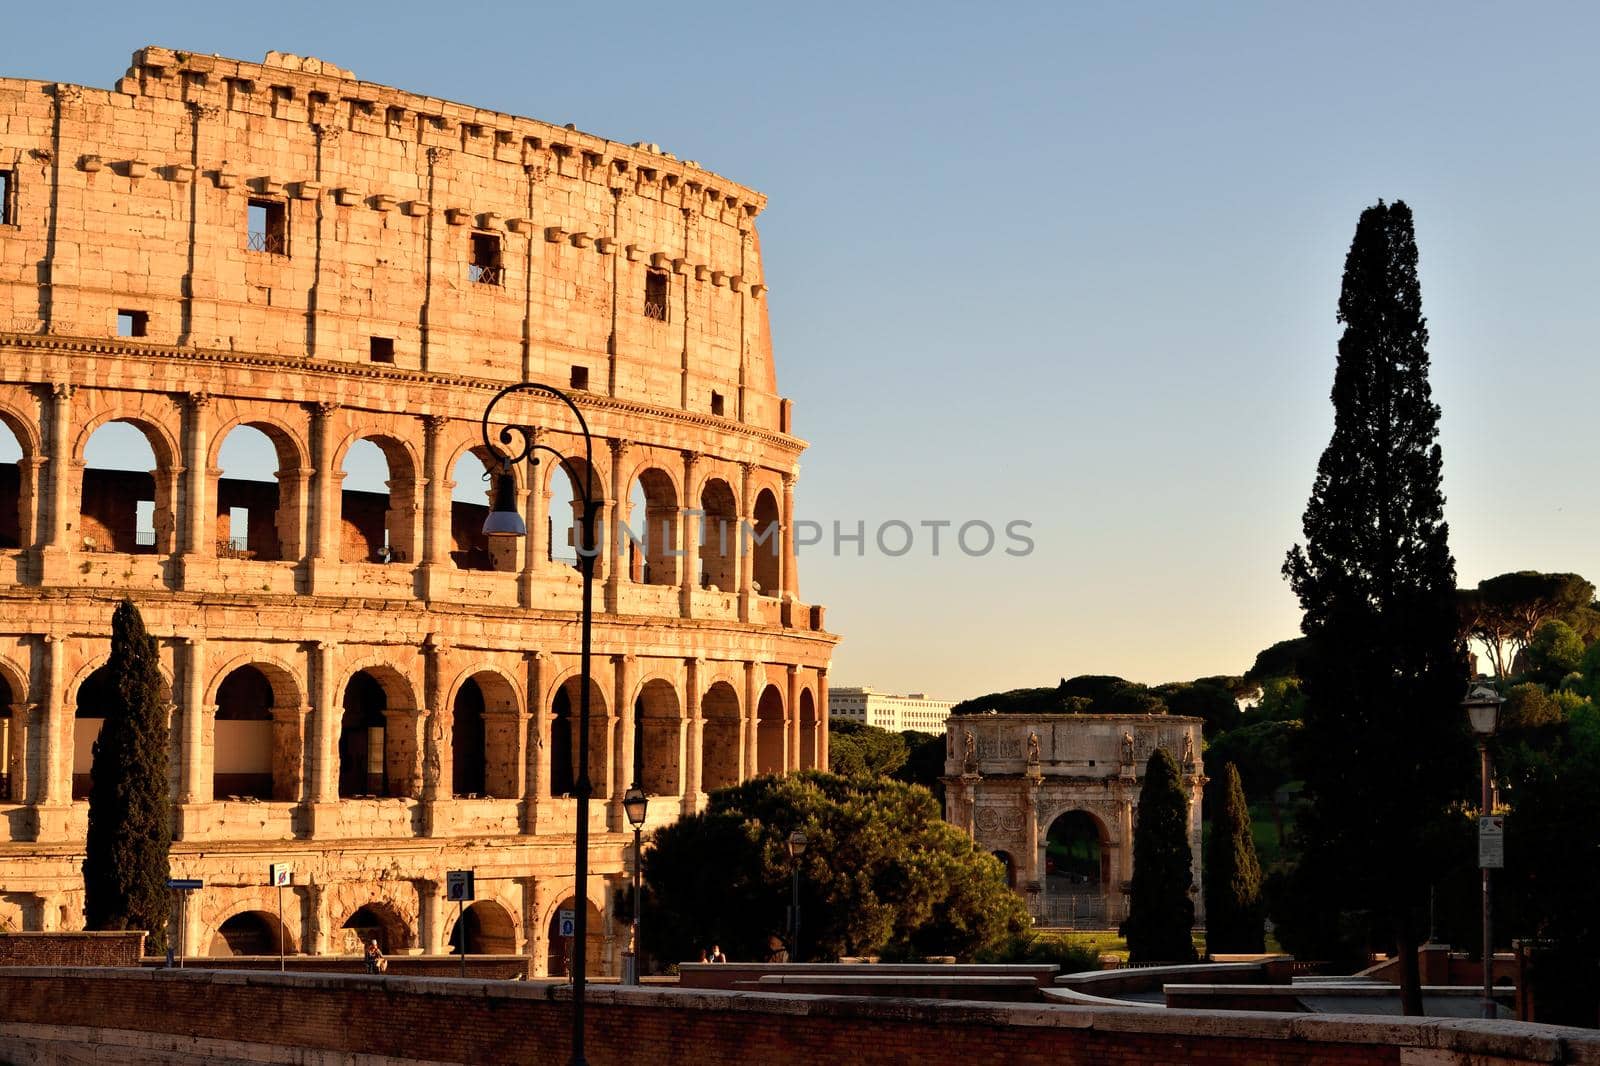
(567, 923)
(459, 886)
(185, 884)
(1492, 841)
(280, 874)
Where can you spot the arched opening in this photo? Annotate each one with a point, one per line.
(659, 736)
(467, 742)
(809, 759)
(766, 544)
(560, 947)
(16, 489)
(1077, 868)
(364, 739)
(251, 933)
(243, 745)
(1010, 868)
(10, 736)
(257, 461)
(96, 696)
(719, 737)
(564, 740)
(719, 537)
(653, 523)
(375, 921)
(566, 513)
(769, 731)
(470, 497)
(126, 501)
(378, 504)
(488, 930)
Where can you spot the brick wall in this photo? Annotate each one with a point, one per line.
(524, 1022)
(71, 949)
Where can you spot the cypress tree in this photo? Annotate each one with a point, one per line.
(1160, 909)
(1385, 748)
(1233, 875)
(125, 866)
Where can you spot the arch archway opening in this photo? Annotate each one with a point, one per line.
(375, 921)
(564, 721)
(371, 754)
(10, 736)
(1077, 868)
(1010, 868)
(126, 502)
(487, 929)
(243, 744)
(658, 739)
(653, 518)
(566, 513)
(259, 468)
(719, 737)
(766, 545)
(560, 948)
(719, 537)
(470, 497)
(251, 933)
(770, 731)
(96, 700)
(377, 505)
(809, 755)
(16, 488)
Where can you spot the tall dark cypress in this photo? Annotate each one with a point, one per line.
(1160, 922)
(1385, 747)
(125, 867)
(1233, 875)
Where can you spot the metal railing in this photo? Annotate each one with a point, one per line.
(656, 309)
(480, 274)
(269, 241)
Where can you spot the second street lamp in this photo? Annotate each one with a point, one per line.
(636, 804)
(504, 520)
(797, 847)
(1483, 711)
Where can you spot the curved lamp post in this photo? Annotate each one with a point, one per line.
(518, 444)
(635, 804)
(797, 847)
(1483, 711)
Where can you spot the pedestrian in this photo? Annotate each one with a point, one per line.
(717, 955)
(376, 963)
(705, 956)
(776, 951)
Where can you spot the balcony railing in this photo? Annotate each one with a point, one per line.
(269, 242)
(479, 274)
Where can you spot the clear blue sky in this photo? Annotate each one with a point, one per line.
(1074, 264)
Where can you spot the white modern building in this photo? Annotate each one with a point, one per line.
(888, 711)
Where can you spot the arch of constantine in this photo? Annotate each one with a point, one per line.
(362, 683)
(1055, 797)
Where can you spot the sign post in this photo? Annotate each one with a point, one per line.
(460, 886)
(182, 885)
(280, 874)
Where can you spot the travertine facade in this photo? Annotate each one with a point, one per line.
(1010, 777)
(364, 686)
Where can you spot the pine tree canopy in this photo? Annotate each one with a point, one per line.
(1160, 907)
(125, 866)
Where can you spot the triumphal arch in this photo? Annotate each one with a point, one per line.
(1055, 798)
(213, 254)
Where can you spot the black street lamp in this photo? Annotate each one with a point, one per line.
(1483, 711)
(505, 520)
(634, 804)
(797, 847)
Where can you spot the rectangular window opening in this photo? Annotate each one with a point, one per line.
(238, 530)
(717, 404)
(133, 323)
(485, 267)
(7, 185)
(144, 517)
(268, 226)
(655, 295)
(580, 378)
(382, 350)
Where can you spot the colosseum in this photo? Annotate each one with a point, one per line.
(217, 259)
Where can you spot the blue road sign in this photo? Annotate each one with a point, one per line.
(185, 884)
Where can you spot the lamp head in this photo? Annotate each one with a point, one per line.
(504, 518)
(797, 844)
(634, 804)
(1483, 709)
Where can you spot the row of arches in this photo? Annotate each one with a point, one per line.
(258, 750)
(129, 499)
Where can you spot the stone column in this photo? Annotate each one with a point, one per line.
(314, 921)
(822, 719)
(322, 756)
(17, 752)
(536, 552)
(325, 499)
(689, 537)
(194, 783)
(438, 769)
(57, 544)
(194, 524)
(788, 579)
(1033, 878)
(30, 508)
(793, 757)
(612, 539)
(54, 788)
(749, 724)
(536, 751)
(623, 770)
(435, 506)
(691, 736)
(746, 560)
(430, 915)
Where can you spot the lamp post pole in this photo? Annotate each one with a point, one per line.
(1483, 712)
(635, 804)
(504, 519)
